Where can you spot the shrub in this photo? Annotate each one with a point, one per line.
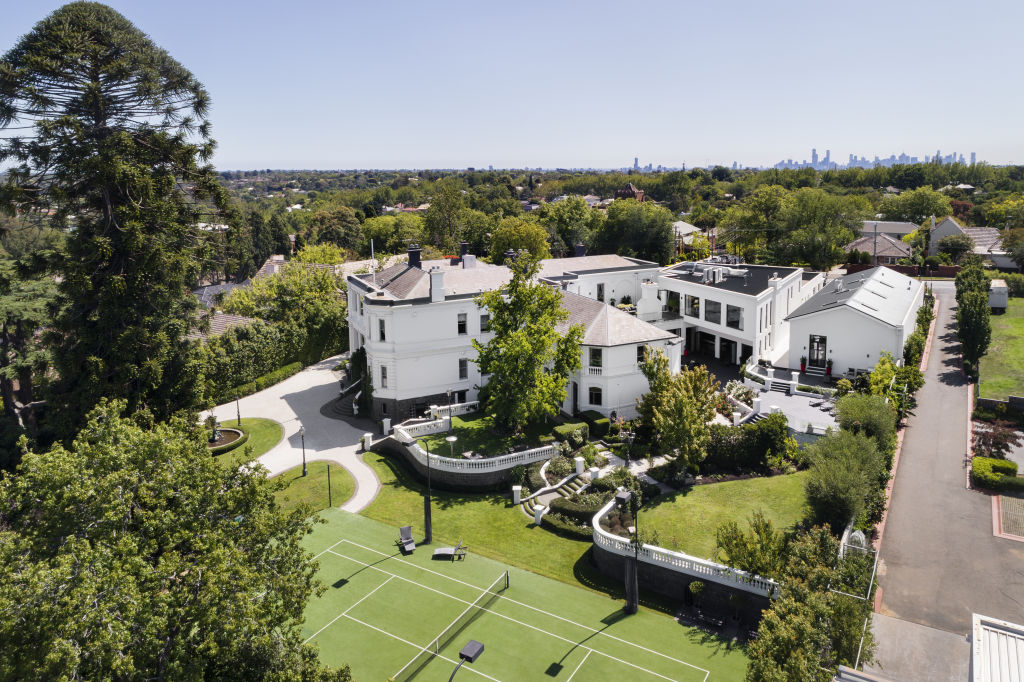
(843, 386)
(574, 433)
(581, 511)
(995, 474)
(845, 467)
(997, 439)
(598, 423)
(913, 349)
(560, 467)
(754, 446)
(260, 383)
(545, 439)
(517, 476)
(1015, 283)
(589, 453)
(562, 526)
(533, 478)
(870, 415)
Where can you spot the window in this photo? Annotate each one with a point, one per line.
(461, 396)
(384, 409)
(360, 305)
(712, 311)
(692, 306)
(383, 335)
(640, 354)
(383, 376)
(600, 292)
(485, 323)
(462, 324)
(734, 317)
(595, 357)
(463, 368)
(595, 395)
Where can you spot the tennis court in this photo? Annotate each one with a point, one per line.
(407, 617)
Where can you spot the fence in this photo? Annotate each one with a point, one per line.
(702, 569)
(1011, 407)
(438, 411)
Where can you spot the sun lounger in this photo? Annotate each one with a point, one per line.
(405, 540)
(451, 553)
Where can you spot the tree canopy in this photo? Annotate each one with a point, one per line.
(134, 555)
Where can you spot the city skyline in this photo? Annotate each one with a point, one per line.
(456, 84)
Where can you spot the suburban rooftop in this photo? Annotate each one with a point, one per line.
(738, 278)
(881, 293)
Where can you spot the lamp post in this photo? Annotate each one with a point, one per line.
(302, 436)
(238, 411)
(449, 410)
(626, 500)
(427, 525)
(451, 445)
(469, 654)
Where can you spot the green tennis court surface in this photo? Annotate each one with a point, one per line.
(383, 613)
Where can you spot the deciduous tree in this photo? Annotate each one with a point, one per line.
(518, 234)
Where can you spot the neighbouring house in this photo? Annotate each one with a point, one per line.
(220, 322)
(896, 229)
(630, 191)
(853, 319)
(728, 310)
(417, 321)
(988, 241)
(884, 249)
(683, 233)
(212, 294)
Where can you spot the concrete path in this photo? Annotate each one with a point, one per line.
(296, 402)
(939, 560)
(917, 653)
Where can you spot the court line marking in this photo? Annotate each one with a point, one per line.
(509, 618)
(345, 612)
(329, 549)
(707, 673)
(579, 666)
(422, 649)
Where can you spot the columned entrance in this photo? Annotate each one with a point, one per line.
(816, 354)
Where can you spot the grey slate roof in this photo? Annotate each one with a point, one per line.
(605, 325)
(887, 246)
(888, 226)
(403, 282)
(566, 267)
(208, 294)
(220, 322)
(881, 293)
(986, 239)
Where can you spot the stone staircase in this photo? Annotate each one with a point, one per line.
(573, 485)
(815, 371)
(342, 407)
(779, 387)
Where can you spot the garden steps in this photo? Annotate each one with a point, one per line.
(780, 386)
(569, 486)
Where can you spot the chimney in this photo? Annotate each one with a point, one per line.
(580, 251)
(463, 249)
(414, 256)
(436, 285)
(468, 261)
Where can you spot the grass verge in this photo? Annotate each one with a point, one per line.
(1002, 368)
(312, 489)
(475, 432)
(263, 435)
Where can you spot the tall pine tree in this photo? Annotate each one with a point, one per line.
(110, 135)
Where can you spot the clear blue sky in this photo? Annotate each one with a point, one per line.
(374, 84)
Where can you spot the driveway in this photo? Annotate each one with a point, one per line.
(939, 561)
(296, 402)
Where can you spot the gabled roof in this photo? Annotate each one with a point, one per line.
(986, 239)
(886, 245)
(402, 281)
(881, 293)
(890, 226)
(605, 325)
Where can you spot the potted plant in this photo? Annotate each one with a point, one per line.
(828, 368)
(803, 364)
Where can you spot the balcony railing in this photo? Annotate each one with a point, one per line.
(594, 371)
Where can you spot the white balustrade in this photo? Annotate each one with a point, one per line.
(682, 563)
(594, 371)
(438, 411)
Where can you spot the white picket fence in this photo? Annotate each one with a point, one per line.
(702, 569)
(407, 434)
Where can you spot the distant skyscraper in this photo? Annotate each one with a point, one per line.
(636, 163)
(974, 158)
(828, 157)
(814, 157)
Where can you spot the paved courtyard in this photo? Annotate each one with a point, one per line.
(798, 410)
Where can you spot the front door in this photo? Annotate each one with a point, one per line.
(816, 348)
(575, 398)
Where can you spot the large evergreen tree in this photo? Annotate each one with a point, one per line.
(111, 137)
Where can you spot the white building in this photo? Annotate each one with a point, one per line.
(417, 321)
(853, 319)
(730, 311)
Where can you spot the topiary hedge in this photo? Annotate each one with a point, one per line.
(599, 424)
(574, 433)
(996, 474)
(533, 478)
(562, 526)
(582, 513)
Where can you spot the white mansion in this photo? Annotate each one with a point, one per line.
(417, 321)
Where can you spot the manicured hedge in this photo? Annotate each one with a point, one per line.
(555, 523)
(533, 478)
(228, 447)
(599, 424)
(260, 383)
(996, 474)
(582, 513)
(568, 433)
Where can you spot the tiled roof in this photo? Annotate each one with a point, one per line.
(220, 322)
(986, 239)
(605, 325)
(887, 246)
(890, 226)
(880, 293)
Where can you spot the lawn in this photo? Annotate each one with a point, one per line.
(475, 432)
(312, 488)
(383, 611)
(1002, 368)
(263, 435)
(687, 520)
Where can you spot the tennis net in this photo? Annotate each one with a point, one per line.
(472, 612)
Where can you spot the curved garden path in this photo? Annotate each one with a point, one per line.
(296, 402)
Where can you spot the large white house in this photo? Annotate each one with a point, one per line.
(731, 311)
(853, 319)
(417, 321)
